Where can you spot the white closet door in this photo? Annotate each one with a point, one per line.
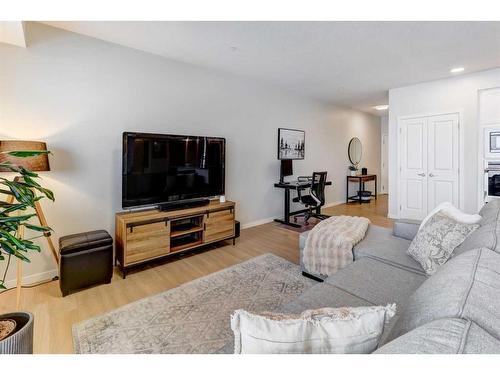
(443, 160)
(413, 168)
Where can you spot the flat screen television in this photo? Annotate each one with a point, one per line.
(165, 168)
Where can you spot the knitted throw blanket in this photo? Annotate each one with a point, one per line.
(329, 244)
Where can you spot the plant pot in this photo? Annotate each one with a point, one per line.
(21, 340)
(354, 173)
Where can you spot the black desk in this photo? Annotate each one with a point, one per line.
(293, 185)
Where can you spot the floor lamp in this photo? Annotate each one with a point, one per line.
(39, 163)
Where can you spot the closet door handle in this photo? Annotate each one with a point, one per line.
(431, 175)
(422, 174)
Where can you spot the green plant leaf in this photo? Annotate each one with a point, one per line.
(23, 189)
(7, 247)
(25, 154)
(10, 219)
(32, 246)
(12, 239)
(14, 207)
(37, 228)
(7, 192)
(48, 193)
(2, 286)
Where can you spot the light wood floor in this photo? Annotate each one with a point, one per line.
(55, 315)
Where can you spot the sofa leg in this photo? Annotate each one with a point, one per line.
(305, 274)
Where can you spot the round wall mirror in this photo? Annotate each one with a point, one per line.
(355, 151)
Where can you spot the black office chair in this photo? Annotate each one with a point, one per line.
(315, 198)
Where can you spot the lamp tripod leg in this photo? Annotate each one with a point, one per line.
(43, 222)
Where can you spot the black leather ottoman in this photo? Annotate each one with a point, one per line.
(85, 259)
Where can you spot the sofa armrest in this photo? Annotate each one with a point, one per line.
(406, 229)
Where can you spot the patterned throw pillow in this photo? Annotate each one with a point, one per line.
(436, 240)
(327, 330)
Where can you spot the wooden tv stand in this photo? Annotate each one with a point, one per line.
(147, 235)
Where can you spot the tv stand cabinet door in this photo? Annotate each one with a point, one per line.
(219, 225)
(147, 241)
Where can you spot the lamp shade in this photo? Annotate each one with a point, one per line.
(38, 163)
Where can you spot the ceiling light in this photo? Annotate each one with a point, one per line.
(457, 70)
(381, 107)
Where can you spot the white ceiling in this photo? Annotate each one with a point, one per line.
(345, 63)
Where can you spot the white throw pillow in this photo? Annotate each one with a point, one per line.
(326, 330)
(451, 211)
(435, 242)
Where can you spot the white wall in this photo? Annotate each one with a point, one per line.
(384, 152)
(79, 94)
(458, 93)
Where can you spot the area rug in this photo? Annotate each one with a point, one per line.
(194, 317)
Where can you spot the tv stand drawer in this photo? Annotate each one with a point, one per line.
(147, 240)
(219, 225)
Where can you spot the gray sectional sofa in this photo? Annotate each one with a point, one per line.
(457, 310)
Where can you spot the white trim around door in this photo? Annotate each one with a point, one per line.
(400, 174)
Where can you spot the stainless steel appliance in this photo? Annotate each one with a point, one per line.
(492, 180)
(492, 142)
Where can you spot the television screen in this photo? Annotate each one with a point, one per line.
(166, 168)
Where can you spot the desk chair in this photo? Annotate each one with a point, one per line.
(316, 197)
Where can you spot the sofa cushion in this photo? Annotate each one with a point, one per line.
(380, 244)
(487, 233)
(302, 239)
(317, 331)
(479, 341)
(327, 295)
(406, 229)
(443, 336)
(377, 282)
(466, 287)
(436, 240)
(323, 295)
(320, 295)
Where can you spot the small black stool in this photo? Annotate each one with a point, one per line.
(85, 259)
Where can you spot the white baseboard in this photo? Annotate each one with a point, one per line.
(47, 275)
(270, 219)
(331, 204)
(257, 222)
(32, 279)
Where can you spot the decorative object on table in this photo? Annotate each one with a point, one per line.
(21, 192)
(194, 317)
(7, 326)
(328, 330)
(291, 144)
(365, 195)
(434, 243)
(20, 339)
(222, 199)
(329, 244)
(355, 152)
(86, 259)
(364, 171)
(353, 170)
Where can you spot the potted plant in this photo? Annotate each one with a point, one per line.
(16, 329)
(353, 170)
